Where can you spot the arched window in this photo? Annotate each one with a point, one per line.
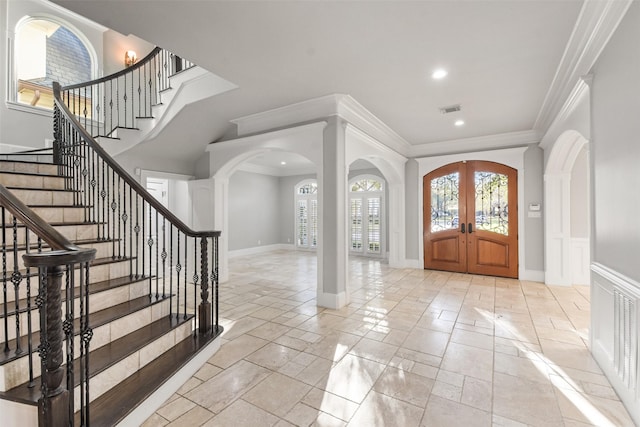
(366, 215)
(47, 51)
(306, 215)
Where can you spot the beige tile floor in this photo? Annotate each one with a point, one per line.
(413, 348)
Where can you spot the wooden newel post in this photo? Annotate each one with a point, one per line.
(53, 406)
(204, 310)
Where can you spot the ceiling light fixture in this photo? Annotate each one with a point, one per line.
(283, 163)
(459, 122)
(439, 74)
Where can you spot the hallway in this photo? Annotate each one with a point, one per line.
(413, 348)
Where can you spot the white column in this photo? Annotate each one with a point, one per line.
(397, 235)
(332, 210)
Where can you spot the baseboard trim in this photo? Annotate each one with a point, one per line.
(332, 301)
(261, 249)
(532, 275)
(413, 263)
(18, 414)
(152, 403)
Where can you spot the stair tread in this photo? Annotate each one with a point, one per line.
(94, 288)
(48, 175)
(27, 161)
(105, 356)
(113, 406)
(13, 187)
(96, 319)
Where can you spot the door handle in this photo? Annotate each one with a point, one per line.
(462, 228)
(470, 228)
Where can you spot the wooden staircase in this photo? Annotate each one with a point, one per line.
(136, 344)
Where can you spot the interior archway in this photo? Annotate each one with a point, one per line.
(566, 189)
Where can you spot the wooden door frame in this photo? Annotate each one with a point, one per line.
(513, 157)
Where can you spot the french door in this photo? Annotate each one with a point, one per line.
(471, 219)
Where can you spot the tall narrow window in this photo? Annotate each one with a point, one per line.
(366, 201)
(306, 215)
(46, 51)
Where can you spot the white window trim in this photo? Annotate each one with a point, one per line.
(383, 219)
(307, 197)
(12, 81)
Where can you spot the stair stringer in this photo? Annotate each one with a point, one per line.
(188, 86)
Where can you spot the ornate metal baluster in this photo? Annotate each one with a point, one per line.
(216, 277)
(68, 328)
(114, 219)
(4, 282)
(16, 278)
(204, 311)
(170, 273)
(178, 269)
(186, 268)
(124, 221)
(163, 255)
(103, 194)
(142, 265)
(86, 333)
(29, 313)
(157, 242)
(137, 230)
(195, 275)
(150, 244)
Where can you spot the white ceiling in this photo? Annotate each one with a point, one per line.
(502, 57)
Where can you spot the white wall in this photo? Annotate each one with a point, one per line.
(615, 153)
(254, 210)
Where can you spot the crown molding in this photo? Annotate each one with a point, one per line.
(577, 96)
(594, 27)
(480, 143)
(340, 105)
(271, 171)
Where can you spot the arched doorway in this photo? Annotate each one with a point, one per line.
(566, 189)
(470, 218)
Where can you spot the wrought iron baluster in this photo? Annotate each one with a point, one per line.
(5, 307)
(157, 243)
(29, 312)
(163, 255)
(150, 244)
(114, 219)
(68, 328)
(16, 278)
(170, 266)
(137, 230)
(124, 217)
(86, 333)
(186, 268)
(178, 269)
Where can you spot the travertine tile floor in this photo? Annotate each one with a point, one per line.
(413, 348)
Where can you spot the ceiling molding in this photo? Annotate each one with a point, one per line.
(274, 171)
(575, 98)
(353, 112)
(481, 143)
(594, 27)
(340, 105)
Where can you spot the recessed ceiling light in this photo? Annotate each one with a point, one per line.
(283, 163)
(439, 74)
(459, 122)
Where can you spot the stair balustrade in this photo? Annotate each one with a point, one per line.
(117, 101)
(59, 267)
(179, 264)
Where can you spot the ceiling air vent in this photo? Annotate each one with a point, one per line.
(450, 109)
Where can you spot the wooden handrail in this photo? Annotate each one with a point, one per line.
(120, 73)
(159, 207)
(35, 223)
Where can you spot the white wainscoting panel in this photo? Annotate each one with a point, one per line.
(615, 333)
